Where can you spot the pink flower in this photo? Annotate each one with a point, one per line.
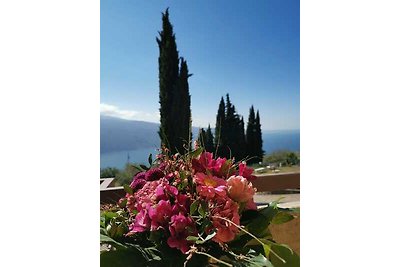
(160, 214)
(239, 189)
(141, 223)
(144, 197)
(221, 167)
(202, 162)
(180, 230)
(205, 162)
(246, 172)
(154, 174)
(209, 186)
(137, 183)
(140, 175)
(182, 204)
(165, 191)
(225, 208)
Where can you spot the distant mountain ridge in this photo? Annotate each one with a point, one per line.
(118, 134)
(121, 135)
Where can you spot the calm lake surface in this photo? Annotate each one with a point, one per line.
(272, 141)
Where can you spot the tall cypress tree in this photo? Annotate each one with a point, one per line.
(220, 128)
(258, 139)
(181, 110)
(229, 131)
(209, 145)
(202, 137)
(251, 135)
(175, 124)
(242, 140)
(229, 147)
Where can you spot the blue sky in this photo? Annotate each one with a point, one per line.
(249, 50)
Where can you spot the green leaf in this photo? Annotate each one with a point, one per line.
(144, 167)
(259, 225)
(128, 189)
(122, 258)
(208, 237)
(150, 159)
(192, 238)
(267, 249)
(108, 215)
(251, 259)
(290, 257)
(194, 206)
(254, 242)
(282, 217)
(259, 260)
(202, 209)
(104, 239)
(103, 231)
(196, 153)
(202, 241)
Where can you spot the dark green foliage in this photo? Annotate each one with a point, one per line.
(292, 159)
(229, 132)
(209, 143)
(181, 112)
(254, 137)
(206, 139)
(242, 140)
(201, 138)
(251, 135)
(220, 127)
(258, 153)
(175, 118)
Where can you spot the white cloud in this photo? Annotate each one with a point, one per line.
(114, 111)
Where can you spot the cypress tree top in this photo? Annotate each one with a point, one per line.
(175, 117)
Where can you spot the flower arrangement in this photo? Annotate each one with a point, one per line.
(192, 210)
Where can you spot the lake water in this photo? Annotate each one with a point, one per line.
(272, 141)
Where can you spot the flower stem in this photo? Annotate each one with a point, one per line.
(214, 258)
(250, 234)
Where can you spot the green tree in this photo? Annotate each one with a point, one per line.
(201, 138)
(258, 152)
(242, 141)
(175, 122)
(292, 159)
(228, 149)
(181, 111)
(251, 135)
(229, 131)
(209, 145)
(220, 128)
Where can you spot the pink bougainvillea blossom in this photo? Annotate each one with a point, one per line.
(160, 215)
(180, 230)
(154, 174)
(246, 172)
(141, 223)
